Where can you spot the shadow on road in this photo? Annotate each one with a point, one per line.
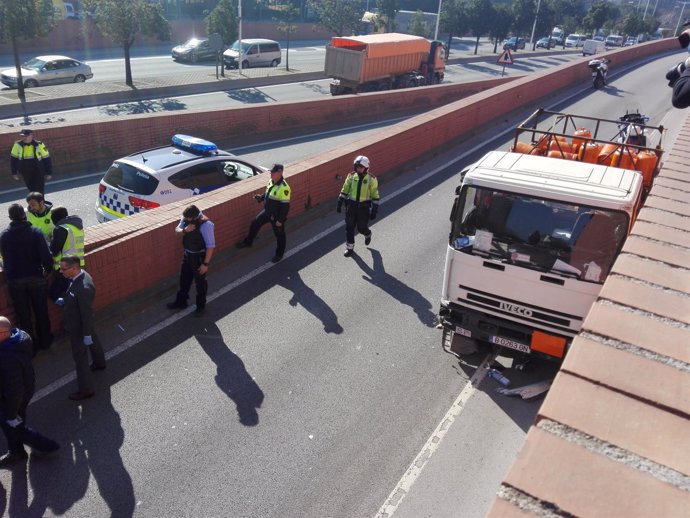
(232, 376)
(306, 297)
(376, 274)
(148, 106)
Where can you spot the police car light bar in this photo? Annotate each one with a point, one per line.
(193, 144)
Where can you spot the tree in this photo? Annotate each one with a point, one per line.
(600, 14)
(287, 27)
(388, 9)
(453, 19)
(417, 26)
(122, 20)
(341, 17)
(503, 19)
(523, 14)
(24, 20)
(480, 14)
(546, 19)
(222, 19)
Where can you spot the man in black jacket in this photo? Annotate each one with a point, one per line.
(17, 385)
(27, 261)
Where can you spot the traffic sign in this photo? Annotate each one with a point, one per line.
(505, 58)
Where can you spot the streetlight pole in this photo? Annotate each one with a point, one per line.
(239, 39)
(438, 19)
(680, 17)
(534, 25)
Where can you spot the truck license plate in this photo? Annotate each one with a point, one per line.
(511, 344)
(463, 332)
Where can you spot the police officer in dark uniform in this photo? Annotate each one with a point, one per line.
(276, 207)
(31, 159)
(198, 242)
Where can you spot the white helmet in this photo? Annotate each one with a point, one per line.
(361, 160)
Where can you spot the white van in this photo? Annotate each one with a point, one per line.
(255, 53)
(592, 47)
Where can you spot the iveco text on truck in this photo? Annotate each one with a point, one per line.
(383, 62)
(536, 230)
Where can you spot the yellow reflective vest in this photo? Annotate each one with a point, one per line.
(74, 245)
(360, 188)
(42, 222)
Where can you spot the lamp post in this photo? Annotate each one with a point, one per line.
(438, 19)
(680, 17)
(239, 39)
(534, 25)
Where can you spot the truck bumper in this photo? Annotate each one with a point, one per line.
(505, 334)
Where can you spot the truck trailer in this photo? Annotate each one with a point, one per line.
(383, 62)
(536, 229)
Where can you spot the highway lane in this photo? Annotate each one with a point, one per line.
(463, 72)
(310, 386)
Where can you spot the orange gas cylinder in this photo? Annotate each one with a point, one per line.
(646, 164)
(627, 159)
(554, 153)
(607, 155)
(589, 152)
(579, 137)
(560, 145)
(523, 147)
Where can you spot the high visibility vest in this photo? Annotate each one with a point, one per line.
(279, 191)
(362, 188)
(36, 149)
(42, 222)
(74, 245)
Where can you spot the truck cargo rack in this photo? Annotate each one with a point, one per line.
(628, 142)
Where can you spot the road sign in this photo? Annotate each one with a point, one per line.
(505, 58)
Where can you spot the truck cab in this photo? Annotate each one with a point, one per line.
(533, 238)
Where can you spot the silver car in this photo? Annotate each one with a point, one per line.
(48, 70)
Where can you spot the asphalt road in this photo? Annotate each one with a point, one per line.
(310, 386)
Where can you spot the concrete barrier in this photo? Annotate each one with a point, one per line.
(137, 253)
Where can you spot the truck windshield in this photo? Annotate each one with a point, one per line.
(547, 235)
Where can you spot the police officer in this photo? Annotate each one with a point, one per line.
(360, 194)
(276, 207)
(38, 212)
(31, 159)
(198, 242)
(67, 240)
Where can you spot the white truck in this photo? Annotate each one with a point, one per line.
(536, 230)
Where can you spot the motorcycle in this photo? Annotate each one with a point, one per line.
(599, 68)
(631, 129)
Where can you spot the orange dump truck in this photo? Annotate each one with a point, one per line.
(383, 62)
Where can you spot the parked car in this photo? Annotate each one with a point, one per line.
(598, 37)
(575, 40)
(48, 70)
(193, 50)
(546, 43)
(613, 40)
(630, 41)
(514, 43)
(154, 177)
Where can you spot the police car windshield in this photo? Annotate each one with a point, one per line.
(34, 64)
(129, 178)
(546, 235)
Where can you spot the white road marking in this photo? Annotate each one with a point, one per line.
(432, 444)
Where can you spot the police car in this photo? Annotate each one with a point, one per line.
(154, 177)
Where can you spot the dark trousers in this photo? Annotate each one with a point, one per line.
(20, 435)
(80, 355)
(189, 271)
(58, 285)
(356, 216)
(259, 221)
(35, 181)
(30, 293)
